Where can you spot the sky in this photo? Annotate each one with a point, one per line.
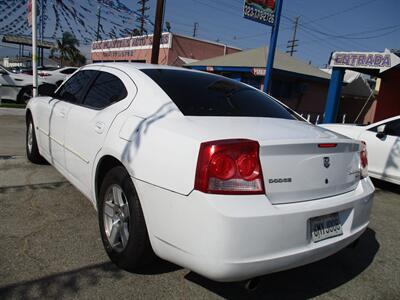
(324, 26)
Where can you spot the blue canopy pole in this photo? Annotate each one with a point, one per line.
(272, 47)
(333, 99)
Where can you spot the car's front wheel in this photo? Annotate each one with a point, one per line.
(24, 95)
(122, 225)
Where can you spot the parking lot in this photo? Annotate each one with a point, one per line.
(50, 246)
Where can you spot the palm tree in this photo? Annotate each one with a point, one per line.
(67, 49)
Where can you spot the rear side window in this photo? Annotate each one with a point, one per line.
(203, 94)
(105, 90)
(72, 91)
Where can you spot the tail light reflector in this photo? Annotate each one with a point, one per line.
(229, 167)
(363, 160)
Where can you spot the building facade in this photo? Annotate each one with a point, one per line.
(175, 50)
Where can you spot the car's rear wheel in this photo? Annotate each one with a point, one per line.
(32, 150)
(122, 225)
(24, 95)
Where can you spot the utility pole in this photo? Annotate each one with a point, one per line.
(34, 50)
(292, 43)
(157, 31)
(41, 30)
(98, 23)
(195, 26)
(142, 16)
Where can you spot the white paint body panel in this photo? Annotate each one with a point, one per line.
(383, 153)
(223, 237)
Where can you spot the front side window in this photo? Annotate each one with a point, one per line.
(68, 71)
(391, 128)
(105, 90)
(204, 94)
(72, 91)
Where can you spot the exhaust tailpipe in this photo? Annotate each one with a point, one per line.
(251, 284)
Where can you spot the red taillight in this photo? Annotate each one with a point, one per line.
(229, 167)
(42, 74)
(327, 145)
(363, 160)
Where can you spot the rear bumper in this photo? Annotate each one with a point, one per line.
(230, 238)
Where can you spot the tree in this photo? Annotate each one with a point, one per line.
(168, 26)
(67, 48)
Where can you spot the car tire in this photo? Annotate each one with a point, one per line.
(121, 221)
(32, 150)
(24, 95)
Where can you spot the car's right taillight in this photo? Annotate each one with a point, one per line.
(363, 160)
(229, 167)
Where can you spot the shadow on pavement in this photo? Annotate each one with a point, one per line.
(61, 284)
(303, 282)
(300, 283)
(70, 283)
(387, 186)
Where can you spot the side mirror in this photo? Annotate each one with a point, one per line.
(47, 89)
(381, 131)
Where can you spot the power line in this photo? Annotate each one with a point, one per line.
(361, 4)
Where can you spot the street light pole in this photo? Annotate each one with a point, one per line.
(157, 32)
(34, 50)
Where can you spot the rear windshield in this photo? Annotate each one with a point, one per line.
(204, 94)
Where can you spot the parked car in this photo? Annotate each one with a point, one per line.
(207, 172)
(383, 140)
(15, 87)
(18, 87)
(57, 76)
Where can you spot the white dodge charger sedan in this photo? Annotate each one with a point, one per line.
(383, 140)
(207, 172)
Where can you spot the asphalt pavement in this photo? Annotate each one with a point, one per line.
(50, 247)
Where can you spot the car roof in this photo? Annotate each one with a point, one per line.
(126, 66)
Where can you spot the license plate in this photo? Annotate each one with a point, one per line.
(325, 227)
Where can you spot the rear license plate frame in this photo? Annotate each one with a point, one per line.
(325, 227)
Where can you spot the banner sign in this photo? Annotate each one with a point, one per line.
(365, 60)
(262, 11)
(29, 14)
(131, 43)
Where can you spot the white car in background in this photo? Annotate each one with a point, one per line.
(383, 141)
(207, 172)
(15, 87)
(56, 76)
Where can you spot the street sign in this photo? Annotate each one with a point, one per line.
(365, 60)
(261, 11)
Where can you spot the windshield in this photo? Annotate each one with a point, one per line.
(204, 94)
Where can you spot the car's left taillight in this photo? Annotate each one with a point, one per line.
(363, 160)
(229, 167)
(43, 74)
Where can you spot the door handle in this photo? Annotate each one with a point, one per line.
(99, 127)
(62, 113)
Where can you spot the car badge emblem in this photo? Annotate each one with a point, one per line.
(327, 162)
